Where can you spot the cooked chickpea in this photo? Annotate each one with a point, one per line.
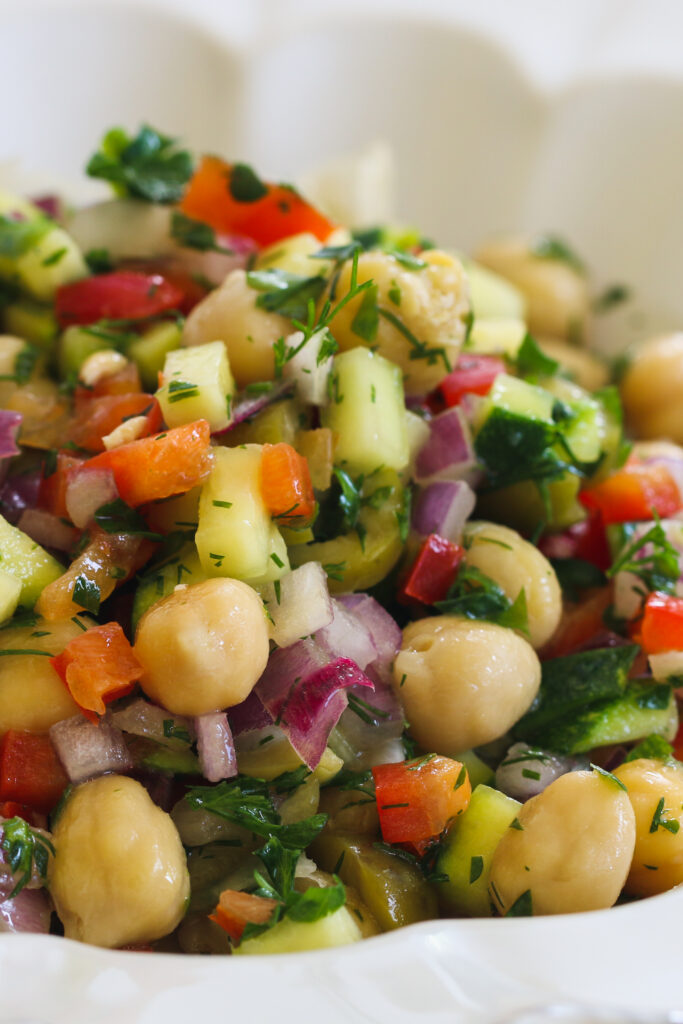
(230, 314)
(463, 683)
(558, 300)
(119, 874)
(515, 564)
(658, 858)
(588, 370)
(571, 847)
(203, 647)
(652, 389)
(432, 303)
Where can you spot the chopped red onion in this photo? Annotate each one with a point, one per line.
(305, 368)
(303, 691)
(449, 452)
(526, 771)
(86, 490)
(348, 637)
(215, 747)
(19, 491)
(9, 428)
(249, 716)
(28, 911)
(385, 632)
(47, 529)
(88, 750)
(141, 718)
(52, 205)
(299, 605)
(444, 507)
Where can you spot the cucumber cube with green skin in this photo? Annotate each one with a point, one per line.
(287, 936)
(27, 562)
(10, 592)
(478, 771)
(515, 423)
(197, 384)
(367, 412)
(75, 345)
(236, 536)
(467, 851)
(492, 297)
(33, 321)
(149, 351)
(160, 581)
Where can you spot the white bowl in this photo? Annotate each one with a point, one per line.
(562, 117)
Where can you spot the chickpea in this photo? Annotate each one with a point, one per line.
(571, 847)
(230, 314)
(119, 874)
(652, 388)
(463, 683)
(658, 858)
(557, 296)
(515, 564)
(431, 302)
(203, 647)
(588, 370)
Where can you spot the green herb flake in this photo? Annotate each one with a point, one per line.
(522, 907)
(195, 234)
(118, 517)
(244, 184)
(609, 776)
(54, 258)
(476, 869)
(86, 593)
(148, 166)
(27, 850)
(221, 504)
(532, 362)
(550, 247)
(659, 821)
(277, 560)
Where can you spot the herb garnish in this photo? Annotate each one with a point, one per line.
(195, 234)
(26, 849)
(148, 166)
(476, 596)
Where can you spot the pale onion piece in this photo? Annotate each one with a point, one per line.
(299, 606)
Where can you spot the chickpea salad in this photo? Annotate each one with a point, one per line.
(340, 582)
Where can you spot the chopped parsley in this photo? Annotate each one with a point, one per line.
(531, 362)
(659, 821)
(148, 166)
(179, 390)
(285, 293)
(550, 247)
(19, 234)
(118, 517)
(86, 593)
(27, 850)
(195, 234)
(659, 569)
(244, 185)
(476, 596)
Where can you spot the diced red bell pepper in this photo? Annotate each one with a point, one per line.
(580, 623)
(125, 381)
(192, 288)
(97, 667)
(279, 213)
(237, 909)
(635, 492)
(677, 743)
(433, 571)
(661, 627)
(11, 809)
(52, 493)
(120, 295)
(99, 416)
(586, 540)
(417, 800)
(286, 485)
(157, 467)
(30, 771)
(473, 374)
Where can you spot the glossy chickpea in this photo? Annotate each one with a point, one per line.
(588, 370)
(515, 564)
(463, 683)
(203, 647)
(570, 848)
(119, 873)
(655, 790)
(652, 389)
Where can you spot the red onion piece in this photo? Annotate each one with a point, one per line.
(300, 606)
(88, 750)
(449, 452)
(141, 718)
(304, 693)
(444, 507)
(86, 490)
(9, 428)
(385, 632)
(51, 205)
(28, 911)
(249, 716)
(526, 771)
(19, 492)
(47, 529)
(348, 637)
(215, 746)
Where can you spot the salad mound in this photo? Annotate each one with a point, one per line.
(333, 595)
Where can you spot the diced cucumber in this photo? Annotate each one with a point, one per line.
(586, 432)
(32, 321)
(293, 255)
(497, 337)
(278, 422)
(149, 351)
(197, 384)
(10, 592)
(171, 762)
(236, 536)
(644, 709)
(478, 771)
(180, 512)
(54, 261)
(9, 350)
(468, 849)
(337, 929)
(521, 398)
(73, 348)
(515, 423)
(367, 412)
(22, 558)
(493, 298)
(161, 580)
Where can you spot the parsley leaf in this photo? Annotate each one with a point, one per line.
(576, 574)
(195, 234)
(658, 569)
(86, 593)
(531, 361)
(285, 293)
(244, 184)
(18, 234)
(476, 596)
(365, 323)
(148, 166)
(654, 748)
(118, 517)
(26, 850)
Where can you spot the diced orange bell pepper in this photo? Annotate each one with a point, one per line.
(417, 800)
(661, 627)
(30, 771)
(99, 416)
(277, 213)
(286, 485)
(634, 492)
(52, 494)
(97, 667)
(157, 467)
(237, 909)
